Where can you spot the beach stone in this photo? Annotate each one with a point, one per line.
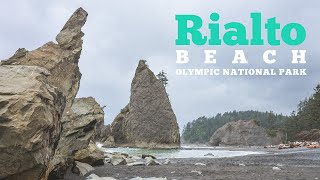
(125, 155)
(148, 121)
(276, 169)
(96, 177)
(136, 164)
(82, 168)
(118, 160)
(147, 155)
(108, 155)
(151, 162)
(90, 155)
(136, 157)
(200, 164)
(129, 160)
(151, 178)
(167, 162)
(107, 160)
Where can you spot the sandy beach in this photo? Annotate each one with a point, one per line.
(298, 163)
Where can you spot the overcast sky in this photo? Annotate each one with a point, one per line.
(119, 33)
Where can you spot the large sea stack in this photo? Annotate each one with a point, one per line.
(243, 133)
(148, 121)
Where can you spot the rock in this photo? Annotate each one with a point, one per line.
(276, 168)
(246, 133)
(129, 160)
(102, 132)
(198, 172)
(30, 113)
(95, 177)
(242, 164)
(91, 155)
(151, 162)
(118, 160)
(209, 154)
(78, 130)
(200, 164)
(136, 157)
(148, 121)
(151, 178)
(109, 143)
(136, 164)
(125, 155)
(107, 160)
(148, 155)
(107, 155)
(82, 168)
(166, 162)
(61, 61)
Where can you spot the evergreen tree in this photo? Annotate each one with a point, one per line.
(162, 76)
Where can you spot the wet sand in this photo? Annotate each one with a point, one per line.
(298, 163)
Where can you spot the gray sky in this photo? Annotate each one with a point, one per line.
(120, 33)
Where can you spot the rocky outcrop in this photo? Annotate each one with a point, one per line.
(30, 113)
(76, 134)
(148, 121)
(245, 133)
(61, 59)
(43, 122)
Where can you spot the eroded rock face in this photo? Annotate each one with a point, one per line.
(61, 61)
(76, 134)
(30, 113)
(148, 121)
(245, 133)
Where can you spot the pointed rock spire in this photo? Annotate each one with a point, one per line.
(148, 121)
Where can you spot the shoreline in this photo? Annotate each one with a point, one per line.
(298, 163)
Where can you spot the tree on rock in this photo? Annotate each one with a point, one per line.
(162, 76)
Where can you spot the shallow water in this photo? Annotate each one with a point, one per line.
(184, 152)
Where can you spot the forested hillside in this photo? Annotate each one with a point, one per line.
(201, 129)
(306, 117)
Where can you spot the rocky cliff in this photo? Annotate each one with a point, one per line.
(148, 121)
(41, 127)
(244, 133)
(61, 59)
(30, 113)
